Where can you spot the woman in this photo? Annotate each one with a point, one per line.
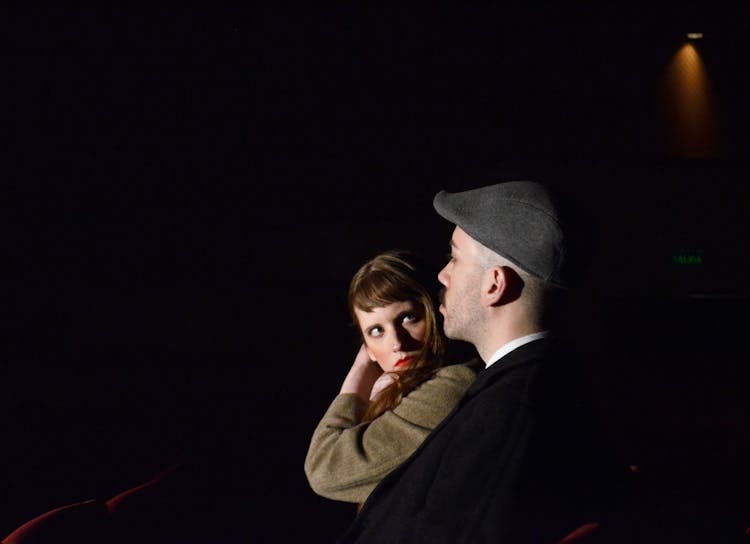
(396, 390)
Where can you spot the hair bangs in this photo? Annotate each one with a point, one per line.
(382, 288)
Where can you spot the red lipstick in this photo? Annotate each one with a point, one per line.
(404, 361)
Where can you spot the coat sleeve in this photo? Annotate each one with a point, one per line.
(347, 458)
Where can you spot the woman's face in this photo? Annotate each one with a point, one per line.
(394, 334)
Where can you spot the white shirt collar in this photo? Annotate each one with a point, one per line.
(505, 349)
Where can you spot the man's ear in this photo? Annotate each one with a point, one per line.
(494, 283)
(501, 285)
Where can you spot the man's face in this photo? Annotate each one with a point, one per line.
(461, 277)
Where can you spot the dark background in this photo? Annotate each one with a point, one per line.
(187, 190)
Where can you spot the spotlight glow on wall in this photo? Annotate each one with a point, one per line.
(689, 104)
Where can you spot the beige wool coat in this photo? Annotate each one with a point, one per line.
(347, 458)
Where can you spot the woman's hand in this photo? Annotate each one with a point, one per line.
(362, 375)
(381, 383)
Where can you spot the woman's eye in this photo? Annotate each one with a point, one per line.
(376, 332)
(409, 318)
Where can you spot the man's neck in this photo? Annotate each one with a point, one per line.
(506, 348)
(503, 337)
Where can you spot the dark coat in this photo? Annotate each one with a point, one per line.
(521, 459)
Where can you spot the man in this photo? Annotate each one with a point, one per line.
(521, 459)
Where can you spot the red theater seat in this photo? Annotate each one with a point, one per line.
(586, 533)
(130, 496)
(94, 521)
(81, 522)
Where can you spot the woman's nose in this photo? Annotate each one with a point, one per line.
(402, 339)
(398, 339)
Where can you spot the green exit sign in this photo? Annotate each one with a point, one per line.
(684, 258)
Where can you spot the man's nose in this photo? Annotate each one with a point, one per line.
(443, 276)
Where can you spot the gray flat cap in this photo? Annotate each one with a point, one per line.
(516, 219)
